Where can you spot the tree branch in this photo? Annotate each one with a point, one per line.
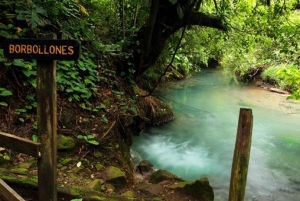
(201, 19)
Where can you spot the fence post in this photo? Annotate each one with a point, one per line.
(241, 156)
(47, 126)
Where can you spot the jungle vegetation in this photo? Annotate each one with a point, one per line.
(128, 47)
(145, 42)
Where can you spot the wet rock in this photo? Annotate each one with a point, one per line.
(199, 189)
(145, 167)
(65, 143)
(116, 177)
(162, 175)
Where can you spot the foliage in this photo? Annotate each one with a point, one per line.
(89, 139)
(291, 76)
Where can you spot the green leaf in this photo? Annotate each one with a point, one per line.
(28, 73)
(5, 92)
(3, 104)
(104, 118)
(34, 138)
(90, 137)
(18, 62)
(94, 142)
(80, 136)
(5, 34)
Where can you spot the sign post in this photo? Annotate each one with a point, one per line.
(46, 50)
(47, 126)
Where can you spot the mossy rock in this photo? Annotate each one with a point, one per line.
(65, 143)
(162, 175)
(116, 177)
(199, 189)
(19, 170)
(128, 194)
(96, 184)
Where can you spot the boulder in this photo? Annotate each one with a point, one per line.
(199, 189)
(116, 177)
(162, 175)
(145, 167)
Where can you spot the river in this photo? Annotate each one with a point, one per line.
(200, 141)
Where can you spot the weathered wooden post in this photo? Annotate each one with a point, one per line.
(47, 126)
(46, 50)
(241, 156)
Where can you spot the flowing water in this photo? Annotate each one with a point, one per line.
(200, 141)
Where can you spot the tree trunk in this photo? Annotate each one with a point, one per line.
(164, 20)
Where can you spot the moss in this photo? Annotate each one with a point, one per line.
(199, 189)
(99, 166)
(19, 170)
(96, 184)
(65, 143)
(115, 176)
(162, 175)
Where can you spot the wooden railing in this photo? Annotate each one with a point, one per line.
(20, 145)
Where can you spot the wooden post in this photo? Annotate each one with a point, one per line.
(20, 144)
(8, 193)
(241, 156)
(47, 126)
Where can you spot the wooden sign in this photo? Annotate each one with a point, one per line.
(41, 49)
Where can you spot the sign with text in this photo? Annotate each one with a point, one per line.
(40, 49)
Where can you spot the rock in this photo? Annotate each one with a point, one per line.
(162, 175)
(128, 194)
(65, 143)
(149, 189)
(116, 177)
(96, 184)
(145, 167)
(199, 189)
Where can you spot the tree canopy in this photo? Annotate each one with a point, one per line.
(139, 38)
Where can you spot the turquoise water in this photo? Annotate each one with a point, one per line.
(200, 140)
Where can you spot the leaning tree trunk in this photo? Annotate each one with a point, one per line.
(164, 20)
